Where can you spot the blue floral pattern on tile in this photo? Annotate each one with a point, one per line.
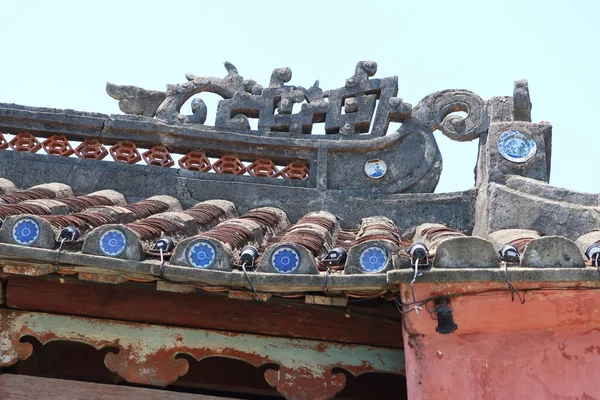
(112, 242)
(201, 254)
(26, 231)
(285, 260)
(516, 146)
(373, 259)
(375, 168)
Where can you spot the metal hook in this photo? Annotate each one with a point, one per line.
(250, 283)
(326, 287)
(511, 288)
(162, 263)
(60, 246)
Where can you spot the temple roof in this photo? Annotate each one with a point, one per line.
(331, 212)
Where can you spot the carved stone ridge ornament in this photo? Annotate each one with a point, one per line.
(365, 105)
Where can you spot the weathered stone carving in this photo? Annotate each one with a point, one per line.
(363, 105)
(135, 100)
(522, 103)
(435, 112)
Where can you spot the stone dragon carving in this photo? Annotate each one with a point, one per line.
(363, 105)
(355, 120)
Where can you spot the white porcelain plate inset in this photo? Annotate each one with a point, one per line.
(375, 169)
(516, 146)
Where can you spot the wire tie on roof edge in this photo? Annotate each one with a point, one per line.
(60, 246)
(162, 263)
(326, 287)
(250, 283)
(416, 307)
(511, 288)
(399, 305)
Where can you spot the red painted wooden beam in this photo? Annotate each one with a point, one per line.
(358, 324)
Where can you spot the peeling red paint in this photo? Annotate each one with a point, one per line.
(547, 348)
(303, 383)
(148, 354)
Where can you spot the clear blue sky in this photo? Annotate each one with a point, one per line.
(61, 54)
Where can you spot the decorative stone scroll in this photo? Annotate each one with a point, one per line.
(363, 105)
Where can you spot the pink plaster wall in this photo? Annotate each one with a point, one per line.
(547, 348)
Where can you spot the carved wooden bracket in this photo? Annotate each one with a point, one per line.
(148, 353)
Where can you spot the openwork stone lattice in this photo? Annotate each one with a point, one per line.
(25, 142)
(229, 165)
(195, 161)
(57, 145)
(296, 170)
(158, 156)
(92, 149)
(125, 152)
(262, 167)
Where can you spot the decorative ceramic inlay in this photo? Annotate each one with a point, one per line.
(112, 242)
(375, 168)
(373, 259)
(201, 254)
(25, 231)
(516, 146)
(285, 260)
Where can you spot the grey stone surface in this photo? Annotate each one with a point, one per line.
(435, 112)
(60, 189)
(497, 167)
(334, 165)
(506, 236)
(552, 252)
(46, 237)
(133, 248)
(56, 207)
(465, 252)
(223, 257)
(522, 102)
(138, 182)
(189, 224)
(78, 125)
(584, 241)
(307, 263)
(542, 189)
(121, 214)
(134, 100)
(353, 260)
(227, 206)
(6, 186)
(506, 208)
(577, 275)
(500, 109)
(115, 197)
(433, 234)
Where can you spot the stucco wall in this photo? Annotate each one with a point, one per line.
(547, 348)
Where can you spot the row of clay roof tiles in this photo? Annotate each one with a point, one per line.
(212, 236)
